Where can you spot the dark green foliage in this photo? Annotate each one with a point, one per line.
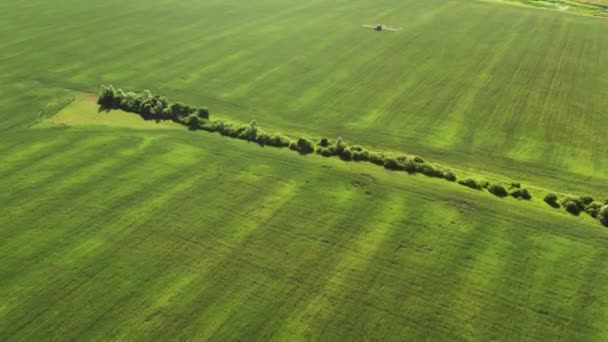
(571, 206)
(471, 183)
(593, 209)
(150, 107)
(520, 193)
(346, 154)
(325, 152)
(392, 163)
(586, 200)
(324, 142)
(305, 146)
(376, 158)
(551, 199)
(484, 184)
(603, 215)
(362, 155)
(516, 185)
(203, 112)
(431, 170)
(449, 175)
(498, 190)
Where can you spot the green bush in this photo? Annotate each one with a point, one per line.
(392, 163)
(498, 190)
(431, 170)
(325, 152)
(376, 158)
(203, 112)
(324, 142)
(449, 175)
(586, 200)
(471, 183)
(579, 201)
(603, 215)
(305, 146)
(593, 209)
(516, 185)
(571, 206)
(551, 199)
(346, 154)
(362, 155)
(520, 193)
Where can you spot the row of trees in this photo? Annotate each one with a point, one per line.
(150, 107)
(155, 107)
(515, 190)
(576, 205)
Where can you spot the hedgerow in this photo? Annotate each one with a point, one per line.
(471, 183)
(155, 107)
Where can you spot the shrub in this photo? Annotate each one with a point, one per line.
(324, 142)
(580, 204)
(361, 155)
(376, 158)
(484, 184)
(203, 112)
(516, 185)
(586, 200)
(593, 209)
(193, 122)
(418, 159)
(340, 146)
(293, 146)
(498, 190)
(392, 163)
(305, 146)
(325, 152)
(449, 175)
(346, 154)
(431, 171)
(551, 199)
(520, 193)
(471, 183)
(571, 206)
(603, 215)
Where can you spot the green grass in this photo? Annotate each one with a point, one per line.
(117, 233)
(116, 228)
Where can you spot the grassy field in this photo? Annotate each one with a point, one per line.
(115, 228)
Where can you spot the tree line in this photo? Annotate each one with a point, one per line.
(155, 107)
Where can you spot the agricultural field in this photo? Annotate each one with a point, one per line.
(115, 228)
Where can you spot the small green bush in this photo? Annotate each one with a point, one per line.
(551, 199)
(324, 142)
(593, 209)
(392, 163)
(305, 146)
(431, 170)
(325, 152)
(360, 155)
(571, 206)
(498, 190)
(603, 215)
(586, 200)
(471, 183)
(520, 193)
(516, 185)
(346, 154)
(449, 175)
(376, 158)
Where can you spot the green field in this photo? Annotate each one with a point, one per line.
(116, 228)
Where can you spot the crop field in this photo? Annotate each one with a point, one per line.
(114, 228)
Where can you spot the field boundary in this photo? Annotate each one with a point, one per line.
(158, 108)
